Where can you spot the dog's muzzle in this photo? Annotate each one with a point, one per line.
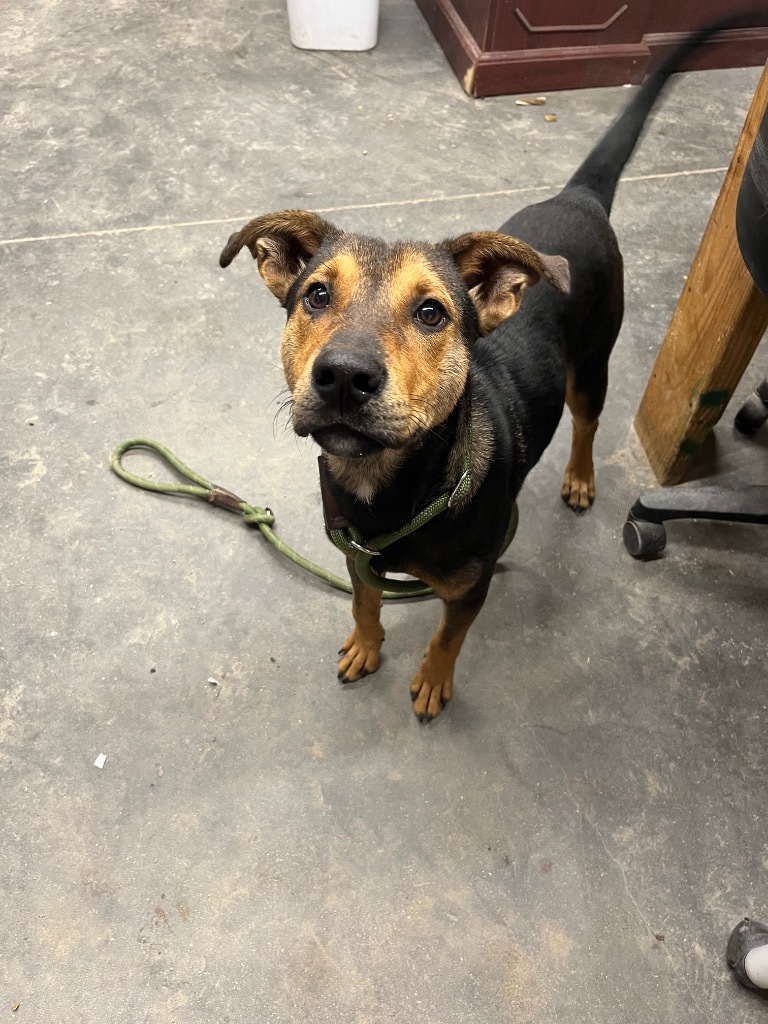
(343, 410)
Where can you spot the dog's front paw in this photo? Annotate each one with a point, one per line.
(430, 693)
(578, 490)
(361, 656)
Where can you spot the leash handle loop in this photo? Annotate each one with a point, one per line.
(199, 488)
(253, 515)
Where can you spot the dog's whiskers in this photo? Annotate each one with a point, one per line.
(285, 399)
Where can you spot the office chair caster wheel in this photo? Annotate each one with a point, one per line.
(752, 415)
(643, 539)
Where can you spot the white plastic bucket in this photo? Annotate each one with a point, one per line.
(333, 24)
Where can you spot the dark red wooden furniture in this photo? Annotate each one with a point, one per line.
(512, 46)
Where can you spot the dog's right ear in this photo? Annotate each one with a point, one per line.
(281, 243)
(497, 269)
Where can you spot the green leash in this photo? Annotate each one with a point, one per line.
(348, 540)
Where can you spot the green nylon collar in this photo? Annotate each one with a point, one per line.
(349, 539)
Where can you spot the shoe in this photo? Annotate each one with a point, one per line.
(746, 936)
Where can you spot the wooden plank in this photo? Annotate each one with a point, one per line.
(719, 321)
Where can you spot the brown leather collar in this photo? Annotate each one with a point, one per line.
(334, 517)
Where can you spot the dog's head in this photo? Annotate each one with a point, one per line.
(376, 347)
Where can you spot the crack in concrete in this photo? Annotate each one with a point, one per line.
(384, 204)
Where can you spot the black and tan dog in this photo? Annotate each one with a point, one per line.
(408, 362)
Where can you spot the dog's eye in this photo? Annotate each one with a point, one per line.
(318, 297)
(431, 314)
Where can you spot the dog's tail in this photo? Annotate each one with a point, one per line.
(601, 170)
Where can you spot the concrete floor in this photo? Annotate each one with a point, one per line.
(574, 838)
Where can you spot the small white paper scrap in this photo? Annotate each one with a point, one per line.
(100, 761)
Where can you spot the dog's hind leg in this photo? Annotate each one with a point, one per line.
(585, 404)
(587, 384)
(361, 650)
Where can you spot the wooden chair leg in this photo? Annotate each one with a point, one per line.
(719, 321)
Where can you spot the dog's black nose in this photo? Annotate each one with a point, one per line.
(343, 376)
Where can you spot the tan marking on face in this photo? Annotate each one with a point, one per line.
(412, 280)
(306, 334)
(427, 369)
(344, 275)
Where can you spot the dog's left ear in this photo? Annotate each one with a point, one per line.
(497, 269)
(281, 243)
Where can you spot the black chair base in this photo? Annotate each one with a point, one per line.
(644, 533)
(753, 414)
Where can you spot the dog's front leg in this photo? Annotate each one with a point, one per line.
(361, 650)
(432, 687)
